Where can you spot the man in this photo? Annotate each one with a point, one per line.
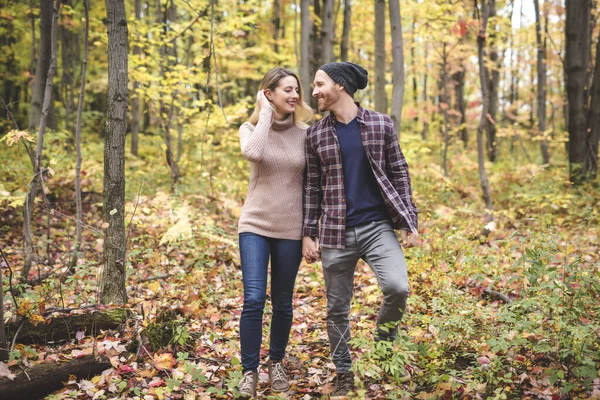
(358, 187)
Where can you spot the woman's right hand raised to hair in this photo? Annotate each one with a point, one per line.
(261, 99)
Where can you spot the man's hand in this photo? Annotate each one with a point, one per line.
(409, 239)
(310, 249)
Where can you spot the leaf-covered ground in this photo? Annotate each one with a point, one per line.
(512, 316)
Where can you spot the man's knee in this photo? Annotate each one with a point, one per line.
(396, 290)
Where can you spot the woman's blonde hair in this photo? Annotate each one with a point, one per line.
(302, 114)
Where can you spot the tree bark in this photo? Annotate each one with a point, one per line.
(398, 63)
(327, 31)
(78, 203)
(305, 30)
(493, 83)
(69, 53)
(135, 99)
(346, 30)
(276, 24)
(37, 165)
(65, 327)
(45, 378)
(578, 37)
(3, 343)
(380, 94)
(413, 61)
(115, 263)
(591, 156)
(43, 64)
(445, 105)
(483, 121)
(459, 89)
(541, 83)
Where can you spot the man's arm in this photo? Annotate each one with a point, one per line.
(312, 191)
(397, 171)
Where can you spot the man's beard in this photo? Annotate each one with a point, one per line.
(327, 101)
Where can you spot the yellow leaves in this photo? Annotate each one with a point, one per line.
(164, 361)
(15, 136)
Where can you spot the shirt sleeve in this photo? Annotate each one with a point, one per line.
(253, 139)
(397, 171)
(312, 192)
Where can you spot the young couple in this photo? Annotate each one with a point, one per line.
(334, 191)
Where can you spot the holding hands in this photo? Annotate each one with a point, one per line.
(310, 249)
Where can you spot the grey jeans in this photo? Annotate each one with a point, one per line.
(376, 243)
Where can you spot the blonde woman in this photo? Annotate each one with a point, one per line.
(270, 225)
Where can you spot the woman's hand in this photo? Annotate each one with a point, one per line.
(261, 99)
(310, 249)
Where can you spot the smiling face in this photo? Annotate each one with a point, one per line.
(285, 96)
(326, 91)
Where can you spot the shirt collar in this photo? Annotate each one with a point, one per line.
(359, 115)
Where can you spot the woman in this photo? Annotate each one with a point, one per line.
(270, 225)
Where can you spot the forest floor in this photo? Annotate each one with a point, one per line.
(511, 316)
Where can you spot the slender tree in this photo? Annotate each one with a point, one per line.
(79, 205)
(541, 82)
(397, 62)
(493, 74)
(135, 99)
(380, 95)
(327, 31)
(305, 30)
(346, 30)
(483, 120)
(113, 276)
(276, 24)
(43, 64)
(37, 165)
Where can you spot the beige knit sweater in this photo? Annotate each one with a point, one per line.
(275, 149)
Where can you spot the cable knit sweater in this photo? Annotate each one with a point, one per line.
(275, 149)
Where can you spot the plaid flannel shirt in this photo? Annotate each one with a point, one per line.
(324, 196)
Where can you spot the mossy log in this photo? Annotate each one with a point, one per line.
(64, 327)
(42, 379)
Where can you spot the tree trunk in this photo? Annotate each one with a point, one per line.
(576, 62)
(494, 80)
(276, 24)
(79, 205)
(541, 83)
(398, 64)
(305, 30)
(591, 155)
(413, 61)
(425, 118)
(43, 64)
(135, 99)
(483, 121)
(69, 52)
(380, 94)
(45, 378)
(3, 343)
(113, 210)
(346, 30)
(459, 89)
(37, 165)
(445, 105)
(327, 31)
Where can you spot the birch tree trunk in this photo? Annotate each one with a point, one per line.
(79, 228)
(37, 165)
(398, 64)
(113, 210)
(380, 95)
(483, 120)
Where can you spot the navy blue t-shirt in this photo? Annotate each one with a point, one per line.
(364, 203)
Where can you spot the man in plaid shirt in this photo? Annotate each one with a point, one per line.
(357, 191)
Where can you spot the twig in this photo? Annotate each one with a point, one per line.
(185, 29)
(12, 345)
(10, 285)
(17, 126)
(134, 210)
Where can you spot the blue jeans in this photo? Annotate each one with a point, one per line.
(255, 251)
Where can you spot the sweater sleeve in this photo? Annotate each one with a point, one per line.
(254, 138)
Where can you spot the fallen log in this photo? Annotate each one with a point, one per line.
(42, 379)
(58, 328)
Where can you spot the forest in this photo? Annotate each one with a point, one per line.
(122, 182)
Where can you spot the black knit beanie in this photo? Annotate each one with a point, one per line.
(351, 76)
